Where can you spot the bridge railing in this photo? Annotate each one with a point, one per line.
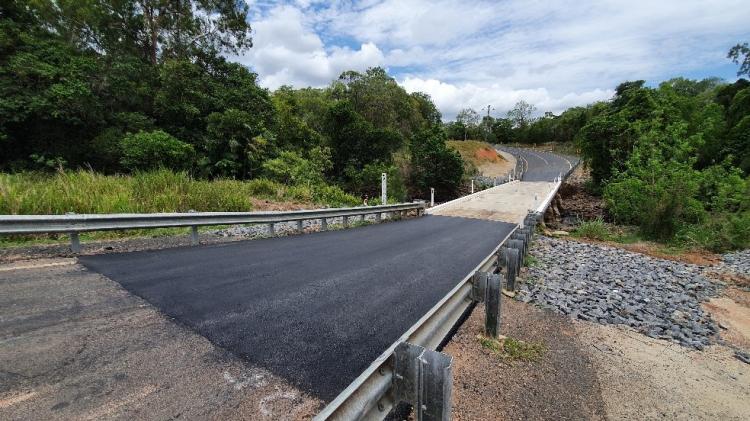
(73, 224)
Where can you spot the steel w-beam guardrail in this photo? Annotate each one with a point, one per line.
(370, 396)
(40, 224)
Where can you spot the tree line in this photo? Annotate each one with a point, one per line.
(672, 159)
(135, 85)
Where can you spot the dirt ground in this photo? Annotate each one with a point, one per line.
(645, 378)
(591, 371)
(561, 385)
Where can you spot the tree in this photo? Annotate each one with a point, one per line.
(378, 98)
(740, 54)
(157, 149)
(521, 114)
(355, 142)
(434, 165)
(469, 119)
(502, 129)
(152, 29)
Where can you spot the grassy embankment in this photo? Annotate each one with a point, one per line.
(155, 191)
(479, 157)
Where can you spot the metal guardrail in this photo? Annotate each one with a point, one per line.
(75, 223)
(371, 396)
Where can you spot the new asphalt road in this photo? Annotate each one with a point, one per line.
(315, 309)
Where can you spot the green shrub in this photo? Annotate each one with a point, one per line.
(262, 187)
(596, 230)
(156, 149)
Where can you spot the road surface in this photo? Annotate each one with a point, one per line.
(313, 309)
(305, 315)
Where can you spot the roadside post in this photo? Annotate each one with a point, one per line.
(383, 188)
(432, 196)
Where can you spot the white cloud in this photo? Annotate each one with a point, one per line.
(554, 54)
(286, 51)
(450, 98)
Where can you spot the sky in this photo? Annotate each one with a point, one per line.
(552, 54)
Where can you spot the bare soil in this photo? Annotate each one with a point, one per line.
(645, 378)
(560, 385)
(575, 202)
(499, 168)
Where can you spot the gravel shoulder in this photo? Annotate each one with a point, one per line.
(75, 345)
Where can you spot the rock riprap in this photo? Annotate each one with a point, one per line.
(282, 228)
(660, 298)
(737, 262)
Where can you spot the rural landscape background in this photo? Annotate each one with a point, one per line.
(123, 107)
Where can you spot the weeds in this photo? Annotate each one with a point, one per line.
(513, 349)
(530, 261)
(595, 229)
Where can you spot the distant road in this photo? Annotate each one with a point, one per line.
(542, 166)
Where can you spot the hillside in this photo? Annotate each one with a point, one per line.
(481, 157)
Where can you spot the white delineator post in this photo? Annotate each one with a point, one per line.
(432, 197)
(472, 186)
(383, 189)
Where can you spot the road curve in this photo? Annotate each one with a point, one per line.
(314, 309)
(541, 166)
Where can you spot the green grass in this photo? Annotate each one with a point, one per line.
(32, 193)
(154, 191)
(513, 349)
(599, 230)
(530, 261)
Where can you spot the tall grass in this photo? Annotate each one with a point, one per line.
(153, 191)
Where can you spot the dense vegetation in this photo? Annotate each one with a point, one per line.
(673, 160)
(127, 87)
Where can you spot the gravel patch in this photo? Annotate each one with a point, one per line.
(659, 298)
(281, 228)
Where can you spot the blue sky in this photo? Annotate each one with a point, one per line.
(553, 54)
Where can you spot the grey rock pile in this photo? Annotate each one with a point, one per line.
(659, 298)
(737, 262)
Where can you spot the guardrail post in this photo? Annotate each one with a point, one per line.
(423, 378)
(492, 305)
(510, 258)
(194, 239)
(299, 226)
(378, 217)
(75, 243)
(346, 221)
(323, 224)
(271, 229)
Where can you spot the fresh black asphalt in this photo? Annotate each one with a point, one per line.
(314, 309)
